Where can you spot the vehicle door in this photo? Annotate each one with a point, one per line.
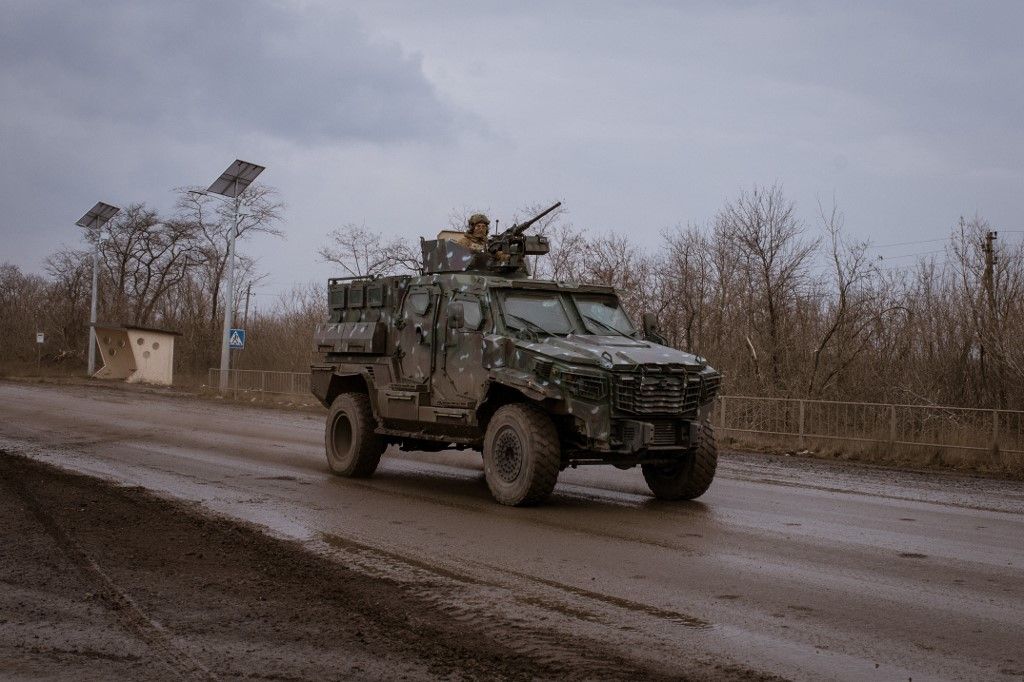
(460, 367)
(417, 335)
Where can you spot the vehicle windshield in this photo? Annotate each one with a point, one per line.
(603, 315)
(541, 313)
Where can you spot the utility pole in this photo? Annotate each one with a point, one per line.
(991, 259)
(991, 326)
(248, 292)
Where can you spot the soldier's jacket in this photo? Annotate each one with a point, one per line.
(463, 239)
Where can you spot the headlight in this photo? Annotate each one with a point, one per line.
(585, 386)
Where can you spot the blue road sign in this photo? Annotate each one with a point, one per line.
(236, 339)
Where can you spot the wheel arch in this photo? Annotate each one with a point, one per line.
(498, 395)
(328, 384)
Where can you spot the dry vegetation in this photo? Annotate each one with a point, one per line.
(784, 308)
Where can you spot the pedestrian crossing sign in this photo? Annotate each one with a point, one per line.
(236, 339)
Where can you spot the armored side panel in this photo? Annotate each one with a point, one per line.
(361, 311)
(351, 337)
(441, 255)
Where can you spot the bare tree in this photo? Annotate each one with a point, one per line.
(361, 252)
(22, 301)
(68, 299)
(212, 219)
(851, 307)
(775, 253)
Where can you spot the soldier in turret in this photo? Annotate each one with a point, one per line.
(475, 236)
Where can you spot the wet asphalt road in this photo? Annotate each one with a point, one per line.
(801, 568)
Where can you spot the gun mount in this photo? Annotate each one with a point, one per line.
(505, 253)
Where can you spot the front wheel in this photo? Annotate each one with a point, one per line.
(522, 455)
(353, 449)
(691, 476)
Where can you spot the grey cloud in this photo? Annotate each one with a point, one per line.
(196, 69)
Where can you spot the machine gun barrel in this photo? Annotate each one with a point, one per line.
(505, 241)
(519, 228)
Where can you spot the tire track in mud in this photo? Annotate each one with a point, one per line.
(588, 614)
(126, 610)
(592, 595)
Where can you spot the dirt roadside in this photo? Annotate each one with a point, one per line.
(104, 582)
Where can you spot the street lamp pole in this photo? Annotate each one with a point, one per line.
(95, 219)
(229, 301)
(231, 184)
(92, 307)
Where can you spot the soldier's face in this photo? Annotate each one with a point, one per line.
(480, 230)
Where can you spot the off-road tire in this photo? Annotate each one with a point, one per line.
(691, 476)
(353, 449)
(522, 455)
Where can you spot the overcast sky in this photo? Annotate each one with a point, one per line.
(639, 116)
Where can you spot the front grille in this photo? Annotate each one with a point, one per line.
(709, 388)
(658, 393)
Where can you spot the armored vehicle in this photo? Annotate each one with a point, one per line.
(537, 375)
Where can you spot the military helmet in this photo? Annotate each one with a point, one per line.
(477, 218)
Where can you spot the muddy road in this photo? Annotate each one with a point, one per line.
(799, 568)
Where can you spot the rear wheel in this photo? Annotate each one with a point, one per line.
(522, 455)
(691, 476)
(353, 449)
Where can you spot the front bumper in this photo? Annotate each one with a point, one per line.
(633, 435)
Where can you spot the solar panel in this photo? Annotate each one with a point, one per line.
(236, 178)
(98, 215)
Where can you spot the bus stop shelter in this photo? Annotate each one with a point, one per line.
(136, 354)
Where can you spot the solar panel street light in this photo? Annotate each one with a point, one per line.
(236, 178)
(94, 219)
(231, 184)
(97, 216)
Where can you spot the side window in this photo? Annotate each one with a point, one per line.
(418, 302)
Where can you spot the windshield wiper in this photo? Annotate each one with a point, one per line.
(533, 326)
(605, 325)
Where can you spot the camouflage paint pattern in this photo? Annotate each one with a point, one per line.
(613, 398)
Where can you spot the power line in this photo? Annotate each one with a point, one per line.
(922, 241)
(911, 255)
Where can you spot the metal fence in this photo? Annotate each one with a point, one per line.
(260, 381)
(803, 422)
(928, 426)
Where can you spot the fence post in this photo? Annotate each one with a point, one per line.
(801, 436)
(995, 431)
(721, 412)
(892, 424)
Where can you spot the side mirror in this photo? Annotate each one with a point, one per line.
(651, 333)
(650, 324)
(456, 315)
